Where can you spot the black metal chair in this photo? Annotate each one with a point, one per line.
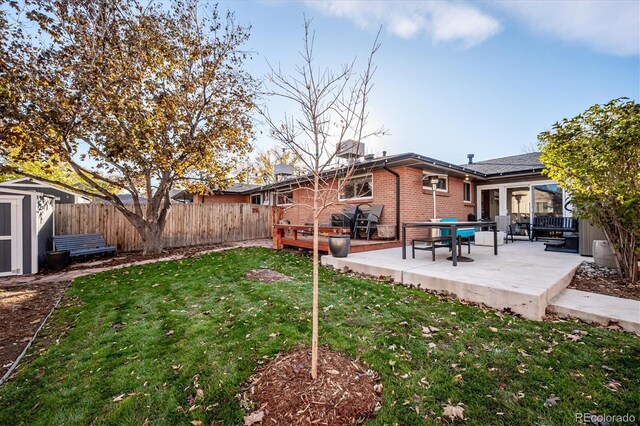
(367, 219)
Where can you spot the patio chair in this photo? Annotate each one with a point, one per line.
(346, 218)
(464, 234)
(367, 219)
(504, 224)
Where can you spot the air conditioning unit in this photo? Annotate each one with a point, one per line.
(283, 170)
(350, 149)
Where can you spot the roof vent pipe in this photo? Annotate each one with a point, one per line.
(470, 157)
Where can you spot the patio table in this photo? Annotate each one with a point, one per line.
(453, 226)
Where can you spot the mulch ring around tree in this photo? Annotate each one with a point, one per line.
(282, 392)
(266, 275)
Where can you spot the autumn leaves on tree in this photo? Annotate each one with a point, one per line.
(133, 98)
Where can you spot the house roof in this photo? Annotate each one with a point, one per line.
(239, 188)
(128, 198)
(27, 181)
(481, 170)
(6, 190)
(408, 159)
(523, 163)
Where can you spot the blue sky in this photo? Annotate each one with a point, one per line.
(461, 77)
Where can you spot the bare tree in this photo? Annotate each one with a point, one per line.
(332, 108)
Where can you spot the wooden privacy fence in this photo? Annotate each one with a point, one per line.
(187, 224)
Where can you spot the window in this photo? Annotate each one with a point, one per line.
(443, 182)
(357, 187)
(256, 199)
(548, 200)
(284, 198)
(466, 190)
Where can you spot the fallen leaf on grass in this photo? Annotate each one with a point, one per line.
(199, 394)
(119, 398)
(377, 388)
(196, 422)
(170, 333)
(551, 401)
(494, 329)
(428, 331)
(613, 385)
(574, 337)
(453, 411)
(254, 417)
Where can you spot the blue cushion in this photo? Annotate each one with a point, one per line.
(467, 232)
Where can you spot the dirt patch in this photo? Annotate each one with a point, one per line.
(266, 275)
(594, 279)
(283, 393)
(23, 307)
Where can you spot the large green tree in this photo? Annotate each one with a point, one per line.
(596, 157)
(133, 96)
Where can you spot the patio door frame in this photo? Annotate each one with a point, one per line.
(502, 196)
(15, 201)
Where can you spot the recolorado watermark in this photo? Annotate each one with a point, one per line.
(598, 419)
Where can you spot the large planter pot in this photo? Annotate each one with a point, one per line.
(603, 254)
(339, 245)
(57, 259)
(386, 231)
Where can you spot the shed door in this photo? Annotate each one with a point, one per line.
(10, 237)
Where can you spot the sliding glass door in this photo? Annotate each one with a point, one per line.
(489, 203)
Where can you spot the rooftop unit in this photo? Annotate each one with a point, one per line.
(283, 171)
(350, 149)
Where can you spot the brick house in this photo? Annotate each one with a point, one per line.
(399, 182)
(511, 185)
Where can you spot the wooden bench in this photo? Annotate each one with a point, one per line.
(81, 244)
(431, 244)
(547, 224)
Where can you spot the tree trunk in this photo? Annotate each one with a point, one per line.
(314, 332)
(624, 247)
(152, 238)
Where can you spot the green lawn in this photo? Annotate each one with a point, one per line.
(156, 333)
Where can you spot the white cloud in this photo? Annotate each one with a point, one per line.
(441, 21)
(611, 27)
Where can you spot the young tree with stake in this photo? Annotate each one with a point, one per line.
(332, 108)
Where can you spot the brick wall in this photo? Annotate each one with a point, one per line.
(416, 203)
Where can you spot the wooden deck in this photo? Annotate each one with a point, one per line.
(357, 246)
(299, 236)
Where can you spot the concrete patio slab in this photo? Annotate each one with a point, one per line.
(597, 308)
(523, 277)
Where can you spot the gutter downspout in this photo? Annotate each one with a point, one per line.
(397, 198)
